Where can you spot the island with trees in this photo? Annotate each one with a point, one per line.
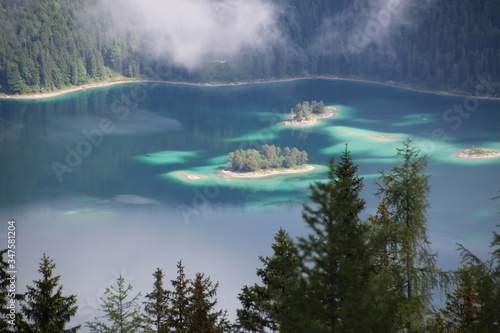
(308, 113)
(474, 153)
(268, 161)
(390, 276)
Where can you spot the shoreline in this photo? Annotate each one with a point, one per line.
(56, 93)
(263, 174)
(314, 121)
(464, 154)
(103, 84)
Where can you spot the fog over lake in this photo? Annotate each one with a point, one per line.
(96, 179)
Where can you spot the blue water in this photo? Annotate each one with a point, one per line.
(96, 179)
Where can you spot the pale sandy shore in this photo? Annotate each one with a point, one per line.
(330, 112)
(107, 84)
(217, 84)
(267, 173)
(467, 155)
(65, 91)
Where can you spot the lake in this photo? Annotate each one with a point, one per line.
(97, 178)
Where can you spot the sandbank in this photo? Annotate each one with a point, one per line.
(489, 153)
(330, 112)
(267, 173)
(188, 176)
(373, 135)
(382, 137)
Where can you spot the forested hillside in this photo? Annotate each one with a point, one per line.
(46, 45)
(438, 44)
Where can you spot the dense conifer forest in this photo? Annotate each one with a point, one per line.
(448, 45)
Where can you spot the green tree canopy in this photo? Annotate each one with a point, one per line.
(335, 254)
(44, 305)
(269, 157)
(121, 312)
(270, 305)
(202, 317)
(404, 189)
(157, 306)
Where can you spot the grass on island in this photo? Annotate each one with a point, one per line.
(478, 153)
(473, 151)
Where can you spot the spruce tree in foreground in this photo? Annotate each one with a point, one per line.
(335, 255)
(44, 306)
(192, 305)
(202, 318)
(461, 313)
(384, 278)
(474, 305)
(180, 301)
(121, 312)
(405, 189)
(270, 306)
(157, 306)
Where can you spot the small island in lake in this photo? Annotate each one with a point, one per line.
(269, 161)
(474, 153)
(188, 176)
(307, 114)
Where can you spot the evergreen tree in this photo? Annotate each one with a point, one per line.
(335, 255)
(157, 306)
(405, 189)
(384, 281)
(121, 312)
(14, 80)
(44, 306)
(270, 305)
(450, 45)
(180, 301)
(201, 317)
(461, 314)
(477, 293)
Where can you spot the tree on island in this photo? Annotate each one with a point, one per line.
(269, 157)
(305, 111)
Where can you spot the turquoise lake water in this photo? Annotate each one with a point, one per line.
(96, 179)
